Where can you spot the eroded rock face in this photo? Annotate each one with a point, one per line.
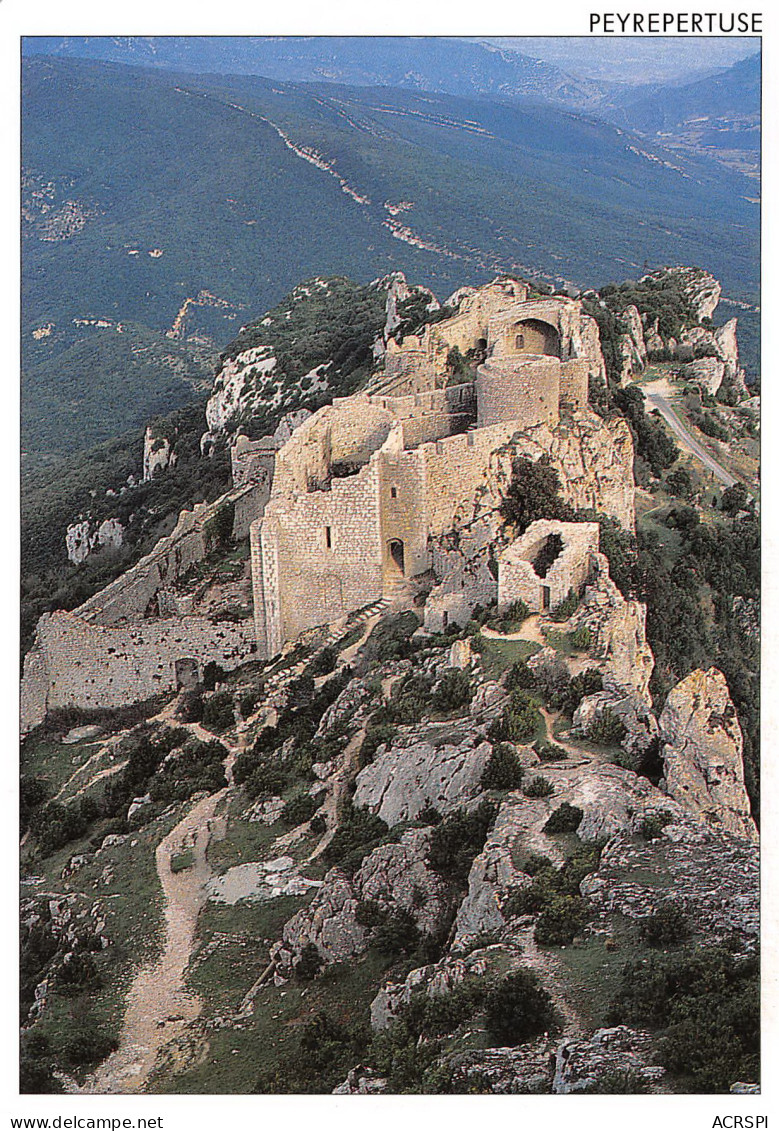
(157, 454)
(84, 537)
(707, 372)
(631, 345)
(395, 876)
(702, 753)
(404, 780)
(493, 873)
(713, 876)
(618, 629)
(435, 980)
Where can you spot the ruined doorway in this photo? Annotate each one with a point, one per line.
(187, 675)
(546, 597)
(397, 554)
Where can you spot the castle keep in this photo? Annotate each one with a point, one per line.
(363, 485)
(346, 507)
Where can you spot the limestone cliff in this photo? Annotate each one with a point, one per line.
(85, 536)
(702, 753)
(158, 454)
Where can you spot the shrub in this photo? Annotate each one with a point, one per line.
(504, 769)
(535, 863)
(520, 677)
(309, 965)
(567, 606)
(607, 729)
(519, 722)
(323, 662)
(618, 1082)
(218, 714)
(248, 703)
(453, 692)
(668, 924)
(458, 839)
(581, 638)
(396, 934)
(299, 809)
(357, 835)
(550, 751)
(375, 736)
(708, 1004)
(318, 825)
(510, 618)
(652, 826)
(565, 819)
(561, 920)
(538, 787)
(519, 1009)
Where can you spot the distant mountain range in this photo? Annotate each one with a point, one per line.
(173, 207)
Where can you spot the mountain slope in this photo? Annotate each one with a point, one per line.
(426, 63)
(180, 203)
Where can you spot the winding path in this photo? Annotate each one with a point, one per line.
(656, 396)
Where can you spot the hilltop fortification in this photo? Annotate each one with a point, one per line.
(346, 506)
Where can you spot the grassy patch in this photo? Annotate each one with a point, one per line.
(48, 759)
(233, 1065)
(182, 860)
(497, 656)
(593, 972)
(244, 841)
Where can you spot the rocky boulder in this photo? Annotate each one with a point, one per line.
(404, 780)
(631, 710)
(398, 876)
(394, 876)
(706, 372)
(703, 753)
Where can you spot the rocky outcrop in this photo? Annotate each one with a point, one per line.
(406, 779)
(706, 372)
(84, 537)
(700, 288)
(398, 876)
(494, 872)
(436, 980)
(157, 454)
(394, 876)
(702, 753)
(630, 345)
(581, 1064)
(712, 876)
(618, 629)
(631, 710)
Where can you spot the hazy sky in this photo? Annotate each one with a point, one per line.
(634, 58)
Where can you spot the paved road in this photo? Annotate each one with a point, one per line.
(658, 401)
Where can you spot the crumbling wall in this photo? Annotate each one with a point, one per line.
(517, 576)
(77, 664)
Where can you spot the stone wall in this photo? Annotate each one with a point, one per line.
(253, 460)
(77, 664)
(526, 391)
(321, 557)
(517, 576)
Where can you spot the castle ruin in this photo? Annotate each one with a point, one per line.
(344, 507)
